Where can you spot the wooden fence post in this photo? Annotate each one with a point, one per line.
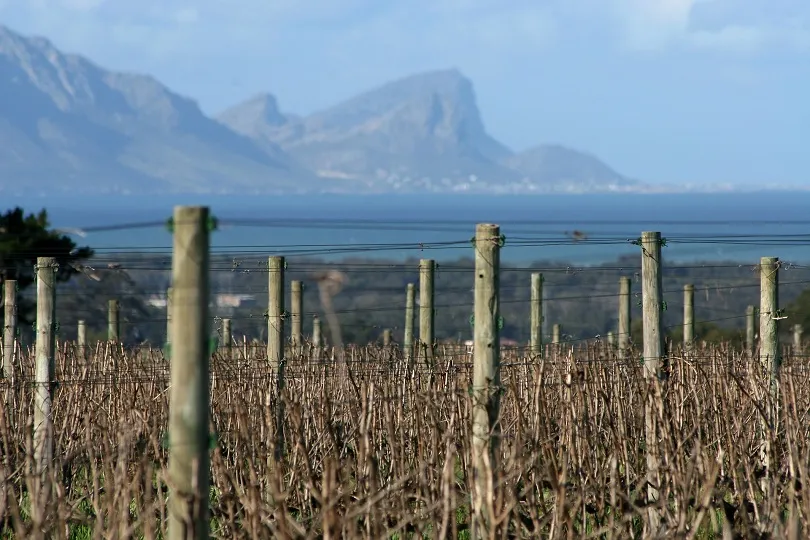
(688, 316)
(486, 377)
(797, 339)
(407, 340)
(45, 362)
(556, 333)
(296, 313)
(168, 315)
(227, 337)
(9, 326)
(750, 329)
(654, 360)
(769, 357)
(624, 328)
(275, 344)
(275, 314)
(189, 399)
(427, 335)
(81, 339)
(316, 331)
(386, 337)
(769, 314)
(536, 330)
(113, 325)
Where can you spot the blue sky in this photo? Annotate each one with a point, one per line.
(676, 91)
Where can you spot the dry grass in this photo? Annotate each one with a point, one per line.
(379, 452)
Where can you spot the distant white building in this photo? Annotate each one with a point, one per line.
(220, 300)
(233, 300)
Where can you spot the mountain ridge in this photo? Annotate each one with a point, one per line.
(68, 124)
(87, 125)
(422, 125)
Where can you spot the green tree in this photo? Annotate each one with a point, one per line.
(23, 238)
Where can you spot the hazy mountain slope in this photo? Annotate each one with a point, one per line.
(66, 122)
(425, 125)
(551, 163)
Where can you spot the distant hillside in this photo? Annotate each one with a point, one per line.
(66, 123)
(419, 131)
(554, 164)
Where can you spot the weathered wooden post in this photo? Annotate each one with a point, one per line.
(275, 314)
(486, 377)
(556, 332)
(227, 337)
(688, 316)
(9, 326)
(386, 337)
(81, 338)
(536, 316)
(624, 317)
(168, 315)
(769, 356)
(426, 312)
(654, 359)
(750, 329)
(113, 327)
(768, 314)
(407, 340)
(797, 339)
(275, 343)
(296, 314)
(45, 364)
(316, 331)
(189, 399)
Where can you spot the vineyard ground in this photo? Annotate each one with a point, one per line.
(376, 448)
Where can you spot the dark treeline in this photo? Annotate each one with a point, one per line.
(584, 300)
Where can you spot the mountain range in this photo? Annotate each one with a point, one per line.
(69, 125)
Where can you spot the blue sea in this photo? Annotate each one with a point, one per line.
(577, 229)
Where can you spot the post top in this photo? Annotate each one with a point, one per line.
(190, 208)
(46, 262)
(190, 213)
(487, 229)
(275, 262)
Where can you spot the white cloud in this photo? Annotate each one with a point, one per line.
(730, 38)
(650, 24)
(460, 25)
(739, 26)
(82, 5)
(407, 32)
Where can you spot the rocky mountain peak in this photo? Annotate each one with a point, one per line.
(252, 116)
